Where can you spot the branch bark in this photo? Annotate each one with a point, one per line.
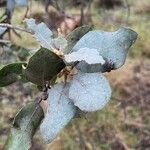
(15, 27)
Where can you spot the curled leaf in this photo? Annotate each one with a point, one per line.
(112, 46)
(89, 91)
(89, 56)
(60, 111)
(41, 32)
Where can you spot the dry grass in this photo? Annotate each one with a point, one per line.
(142, 6)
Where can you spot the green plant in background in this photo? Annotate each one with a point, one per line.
(79, 60)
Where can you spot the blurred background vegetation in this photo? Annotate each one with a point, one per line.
(124, 123)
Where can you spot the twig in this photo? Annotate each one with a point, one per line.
(122, 141)
(15, 27)
(57, 6)
(82, 140)
(26, 13)
(17, 34)
(82, 13)
(128, 10)
(1, 17)
(43, 97)
(136, 124)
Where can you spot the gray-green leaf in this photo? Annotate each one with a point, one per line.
(112, 46)
(90, 91)
(60, 111)
(41, 32)
(59, 43)
(24, 127)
